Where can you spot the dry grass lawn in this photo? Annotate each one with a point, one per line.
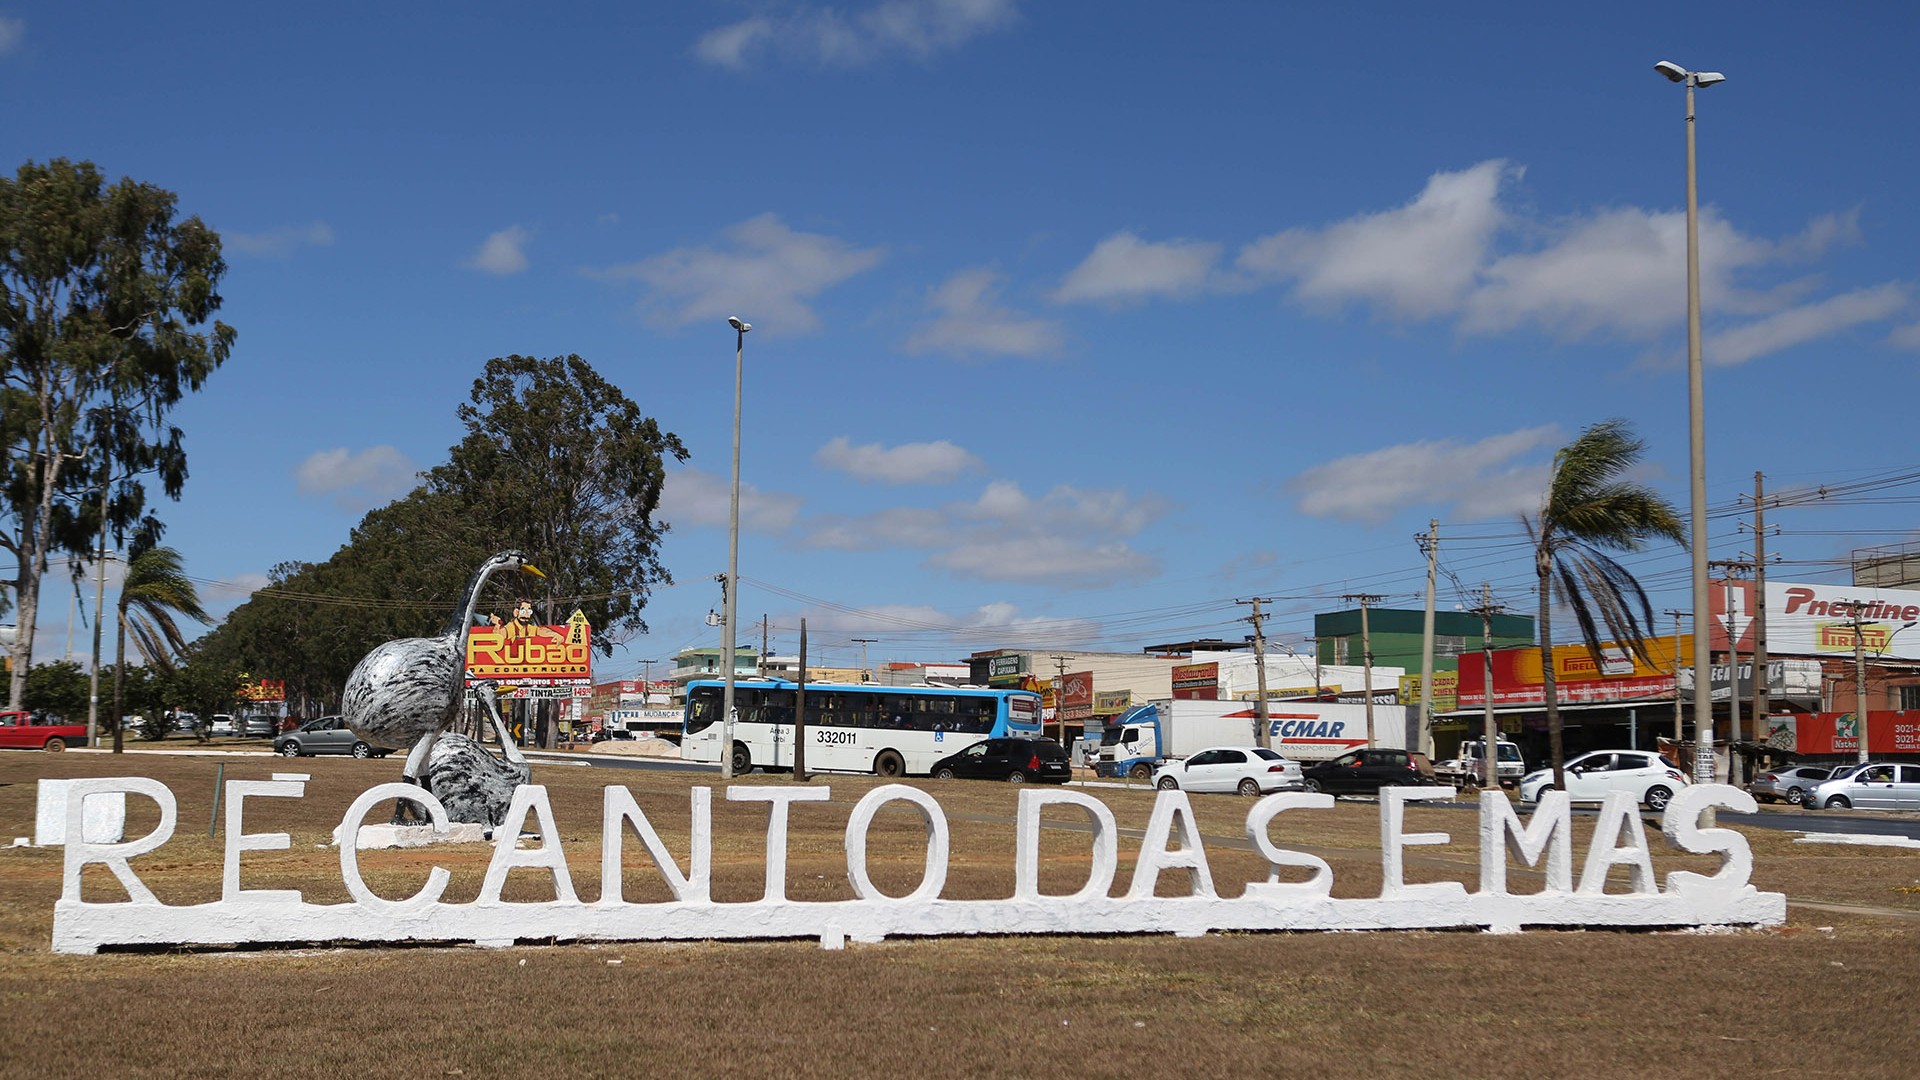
(1834, 989)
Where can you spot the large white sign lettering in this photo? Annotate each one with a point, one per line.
(1172, 844)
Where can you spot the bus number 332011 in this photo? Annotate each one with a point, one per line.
(833, 738)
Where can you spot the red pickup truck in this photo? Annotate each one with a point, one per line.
(24, 731)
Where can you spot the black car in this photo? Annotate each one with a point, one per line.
(1362, 772)
(1015, 760)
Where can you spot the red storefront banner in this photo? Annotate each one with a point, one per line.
(1076, 698)
(1837, 733)
(1196, 682)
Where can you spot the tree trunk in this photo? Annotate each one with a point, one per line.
(119, 670)
(1556, 750)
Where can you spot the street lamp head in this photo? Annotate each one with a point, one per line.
(1707, 78)
(739, 324)
(1671, 70)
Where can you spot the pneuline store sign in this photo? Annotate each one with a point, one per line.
(1171, 845)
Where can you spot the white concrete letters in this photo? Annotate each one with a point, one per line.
(238, 841)
(437, 878)
(1618, 814)
(780, 798)
(938, 842)
(1258, 819)
(507, 853)
(1393, 838)
(1026, 843)
(1171, 810)
(1548, 832)
(1171, 841)
(618, 808)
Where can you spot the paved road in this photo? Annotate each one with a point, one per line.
(1854, 822)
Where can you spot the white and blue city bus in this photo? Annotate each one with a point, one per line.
(851, 727)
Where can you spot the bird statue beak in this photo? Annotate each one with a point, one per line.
(529, 568)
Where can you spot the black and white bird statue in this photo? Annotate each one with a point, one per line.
(472, 784)
(406, 692)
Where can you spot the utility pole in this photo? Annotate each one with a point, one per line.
(1732, 567)
(1366, 656)
(761, 667)
(1679, 731)
(1762, 682)
(1860, 681)
(1489, 726)
(1262, 734)
(1431, 545)
(800, 711)
(863, 642)
(1060, 696)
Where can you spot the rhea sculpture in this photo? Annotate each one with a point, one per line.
(405, 693)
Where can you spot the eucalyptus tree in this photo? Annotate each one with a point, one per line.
(154, 595)
(106, 322)
(1590, 511)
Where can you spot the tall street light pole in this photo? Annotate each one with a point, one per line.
(1697, 443)
(732, 599)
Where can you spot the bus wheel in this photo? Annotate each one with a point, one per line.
(889, 763)
(742, 761)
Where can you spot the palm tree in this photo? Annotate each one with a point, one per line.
(1590, 511)
(154, 591)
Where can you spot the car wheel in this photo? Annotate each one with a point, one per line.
(1840, 802)
(1168, 783)
(1796, 796)
(1313, 785)
(1016, 777)
(56, 744)
(1250, 788)
(1658, 797)
(742, 760)
(1542, 793)
(889, 763)
(943, 774)
(361, 750)
(1139, 772)
(290, 749)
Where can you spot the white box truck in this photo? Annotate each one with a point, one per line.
(1303, 731)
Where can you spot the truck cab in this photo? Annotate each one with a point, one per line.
(1510, 765)
(1130, 746)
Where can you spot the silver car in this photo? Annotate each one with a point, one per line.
(1877, 785)
(326, 735)
(1789, 783)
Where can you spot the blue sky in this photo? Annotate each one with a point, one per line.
(1074, 322)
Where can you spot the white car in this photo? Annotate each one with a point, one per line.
(222, 725)
(1648, 777)
(1249, 770)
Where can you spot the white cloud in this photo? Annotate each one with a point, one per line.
(766, 273)
(1124, 268)
(502, 253)
(971, 323)
(830, 38)
(909, 463)
(697, 497)
(357, 480)
(1807, 322)
(281, 242)
(1415, 261)
(1480, 480)
(1069, 537)
(12, 32)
